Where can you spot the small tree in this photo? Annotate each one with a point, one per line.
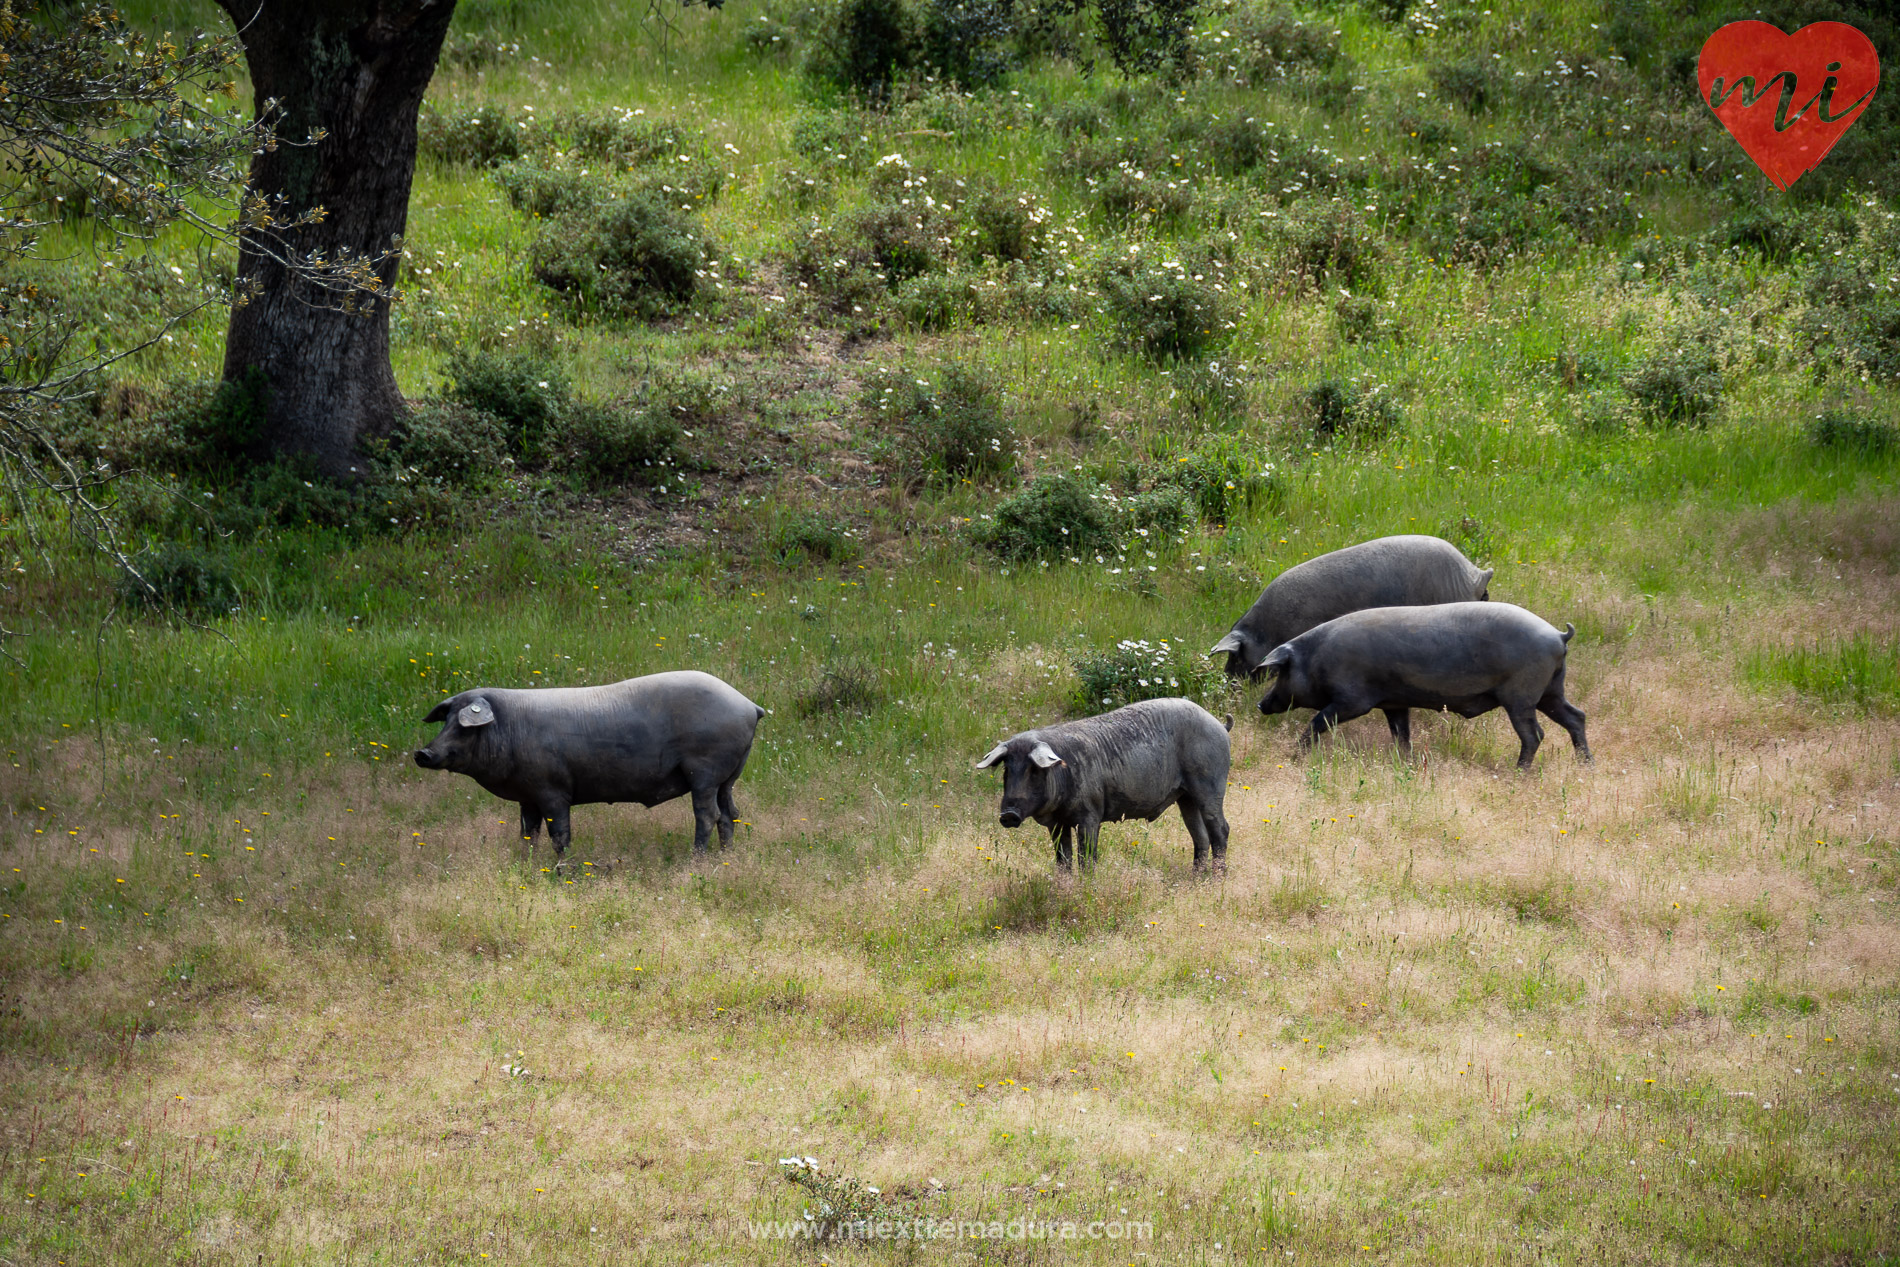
(127, 136)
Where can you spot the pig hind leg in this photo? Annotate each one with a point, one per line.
(1207, 827)
(728, 813)
(1064, 836)
(1565, 714)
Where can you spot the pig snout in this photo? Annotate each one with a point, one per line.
(1010, 818)
(428, 760)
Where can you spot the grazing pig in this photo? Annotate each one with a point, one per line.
(647, 739)
(1131, 763)
(1409, 571)
(1466, 657)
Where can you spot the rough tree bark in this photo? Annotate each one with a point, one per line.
(356, 69)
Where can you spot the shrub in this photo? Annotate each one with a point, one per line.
(198, 428)
(811, 536)
(1838, 429)
(1163, 308)
(481, 137)
(937, 301)
(1006, 226)
(843, 1206)
(526, 392)
(1164, 509)
(1272, 43)
(1351, 410)
(544, 189)
(834, 139)
(622, 442)
(870, 46)
(1136, 669)
(1221, 477)
(1328, 242)
(1680, 384)
(1469, 83)
(180, 578)
(951, 429)
(1130, 192)
(850, 687)
(638, 258)
(448, 441)
(1763, 230)
(1058, 514)
(966, 41)
(1148, 35)
(1360, 320)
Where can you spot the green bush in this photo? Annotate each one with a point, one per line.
(1135, 193)
(1136, 669)
(449, 441)
(949, 429)
(1678, 385)
(938, 301)
(621, 443)
(525, 391)
(180, 578)
(1221, 476)
(1164, 308)
(638, 258)
(836, 140)
(1351, 410)
(967, 42)
(1166, 509)
(870, 46)
(1328, 242)
(1839, 429)
(197, 428)
(1142, 36)
(1056, 515)
(1005, 226)
(1469, 82)
(481, 137)
(1270, 42)
(542, 188)
(811, 536)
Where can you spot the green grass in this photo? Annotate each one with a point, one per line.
(1861, 671)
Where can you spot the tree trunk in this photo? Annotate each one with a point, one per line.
(356, 69)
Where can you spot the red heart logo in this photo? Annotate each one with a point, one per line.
(1788, 98)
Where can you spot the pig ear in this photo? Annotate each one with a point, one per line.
(1483, 588)
(1276, 660)
(1045, 756)
(439, 713)
(995, 754)
(1230, 643)
(477, 712)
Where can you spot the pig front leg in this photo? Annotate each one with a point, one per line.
(1064, 836)
(1399, 722)
(1088, 834)
(530, 825)
(559, 833)
(706, 818)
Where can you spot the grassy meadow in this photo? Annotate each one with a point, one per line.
(273, 994)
